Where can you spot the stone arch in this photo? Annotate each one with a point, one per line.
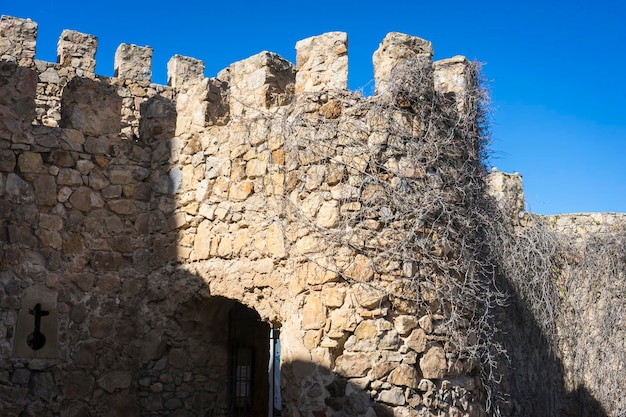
(213, 360)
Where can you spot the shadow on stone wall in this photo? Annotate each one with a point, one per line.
(330, 394)
(534, 375)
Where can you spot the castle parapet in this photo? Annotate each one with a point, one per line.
(133, 63)
(77, 50)
(257, 83)
(453, 77)
(322, 63)
(395, 50)
(508, 192)
(18, 40)
(183, 71)
(246, 88)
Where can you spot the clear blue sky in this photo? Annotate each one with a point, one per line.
(556, 69)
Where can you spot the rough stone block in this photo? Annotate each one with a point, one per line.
(322, 63)
(314, 313)
(133, 63)
(77, 50)
(397, 49)
(353, 364)
(453, 77)
(183, 71)
(17, 40)
(508, 191)
(260, 82)
(433, 363)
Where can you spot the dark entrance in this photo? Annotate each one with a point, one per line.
(249, 356)
(213, 360)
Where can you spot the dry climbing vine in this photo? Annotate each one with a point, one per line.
(407, 169)
(405, 172)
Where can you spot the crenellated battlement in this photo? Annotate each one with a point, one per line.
(262, 81)
(17, 40)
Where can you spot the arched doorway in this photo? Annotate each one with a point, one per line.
(214, 361)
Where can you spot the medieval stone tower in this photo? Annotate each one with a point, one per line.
(268, 243)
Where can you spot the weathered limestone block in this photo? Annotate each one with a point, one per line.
(453, 78)
(404, 324)
(257, 167)
(72, 139)
(404, 375)
(201, 104)
(433, 364)
(158, 119)
(50, 222)
(353, 364)
(395, 50)
(365, 337)
(368, 296)
(224, 247)
(69, 176)
(393, 396)
(257, 83)
(120, 175)
(50, 239)
(416, 340)
(50, 76)
(241, 190)
(313, 313)
(62, 158)
(133, 62)
(123, 206)
(382, 368)
(360, 270)
(342, 320)
(328, 215)
(106, 261)
(77, 50)
(426, 323)
(308, 244)
(322, 63)
(315, 273)
(508, 191)
(17, 40)
(333, 297)
(389, 340)
(275, 240)
(331, 109)
(182, 71)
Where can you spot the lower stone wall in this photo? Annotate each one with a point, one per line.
(590, 328)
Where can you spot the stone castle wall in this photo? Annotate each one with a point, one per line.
(163, 227)
(580, 349)
(139, 216)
